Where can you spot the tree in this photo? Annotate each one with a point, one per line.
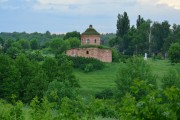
(173, 37)
(50, 67)
(160, 32)
(1, 41)
(25, 44)
(59, 46)
(139, 21)
(37, 85)
(26, 69)
(136, 69)
(65, 84)
(65, 72)
(34, 44)
(123, 25)
(9, 76)
(74, 42)
(72, 34)
(174, 53)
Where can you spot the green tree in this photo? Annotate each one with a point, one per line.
(173, 37)
(74, 42)
(72, 34)
(174, 53)
(135, 69)
(26, 69)
(9, 78)
(59, 46)
(160, 32)
(37, 85)
(25, 44)
(139, 21)
(123, 24)
(34, 44)
(50, 67)
(1, 44)
(65, 84)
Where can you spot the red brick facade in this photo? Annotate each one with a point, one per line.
(104, 55)
(90, 39)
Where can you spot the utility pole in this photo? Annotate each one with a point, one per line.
(150, 40)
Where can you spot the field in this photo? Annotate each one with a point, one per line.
(96, 81)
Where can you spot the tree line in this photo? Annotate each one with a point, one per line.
(154, 38)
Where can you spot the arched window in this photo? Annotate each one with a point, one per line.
(87, 41)
(95, 41)
(87, 52)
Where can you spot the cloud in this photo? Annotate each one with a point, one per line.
(175, 4)
(1, 1)
(171, 3)
(82, 7)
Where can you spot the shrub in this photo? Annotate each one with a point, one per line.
(134, 69)
(174, 53)
(105, 94)
(88, 67)
(86, 64)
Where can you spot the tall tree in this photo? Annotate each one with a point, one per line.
(160, 32)
(9, 76)
(123, 25)
(139, 21)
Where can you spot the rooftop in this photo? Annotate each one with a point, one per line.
(90, 31)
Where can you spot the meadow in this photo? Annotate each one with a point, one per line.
(96, 81)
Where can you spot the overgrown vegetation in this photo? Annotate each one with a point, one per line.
(86, 64)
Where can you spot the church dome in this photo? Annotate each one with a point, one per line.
(90, 31)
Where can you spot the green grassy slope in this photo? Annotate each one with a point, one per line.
(99, 80)
(93, 82)
(160, 67)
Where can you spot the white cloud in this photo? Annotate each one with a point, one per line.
(3, 1)
(85, 7)
(171, 3)
(175, 4)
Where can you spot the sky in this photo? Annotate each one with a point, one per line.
(61, 16)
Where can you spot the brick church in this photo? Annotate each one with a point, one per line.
(91, 39)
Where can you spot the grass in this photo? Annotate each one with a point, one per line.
(160, 67)
(97, 81)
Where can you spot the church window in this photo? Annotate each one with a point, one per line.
(87, 41)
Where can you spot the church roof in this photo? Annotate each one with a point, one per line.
(90, 31)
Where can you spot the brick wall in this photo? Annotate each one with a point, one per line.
(90, 39)
(104, 55)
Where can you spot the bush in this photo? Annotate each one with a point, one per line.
(134, 69)
(105, 94)
(86, 64)
(88, 67)
(172, 78)
(174, 53)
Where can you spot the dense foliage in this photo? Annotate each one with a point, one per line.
(23, 79)
(134, 71)
(86, 64)
(141, 100)
(174, 53)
